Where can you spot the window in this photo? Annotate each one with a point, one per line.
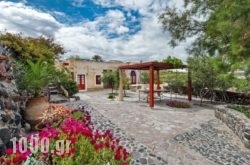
(133, 77)
(98, 80)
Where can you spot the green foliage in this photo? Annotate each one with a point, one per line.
(78, 115)
(71, 86)
(34, 76)
(97, 58)
(33, 60)
(125, 82)
(85, 153)
(170, 77)
(219, 26)
(206, 76)
(174, 78)
(19, 71)
(62, 78)
(111, 96)
(111, 78)
(77, 57)
(241, 85)
(176, 62)
(144, 77)
(242, 109)
(31, 48)
(37, 76)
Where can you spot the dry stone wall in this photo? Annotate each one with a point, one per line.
(12, 104)
(236, 121)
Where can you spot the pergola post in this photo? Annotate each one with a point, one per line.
(151, 86)
(158, 81)
(120, 95)
(189, 87)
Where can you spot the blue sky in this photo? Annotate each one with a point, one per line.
(126, 30)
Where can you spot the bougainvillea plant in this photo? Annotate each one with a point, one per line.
(74, 142)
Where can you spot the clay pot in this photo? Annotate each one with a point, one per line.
(35, 107)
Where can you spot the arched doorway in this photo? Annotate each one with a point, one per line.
(133, 77)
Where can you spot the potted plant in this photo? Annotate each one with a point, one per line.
(38, 75)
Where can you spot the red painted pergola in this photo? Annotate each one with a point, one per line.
(151, 66)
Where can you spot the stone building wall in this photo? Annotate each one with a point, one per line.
(91, 68)
(12, 103)
(236, 121)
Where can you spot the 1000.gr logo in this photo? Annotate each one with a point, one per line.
(35, 143)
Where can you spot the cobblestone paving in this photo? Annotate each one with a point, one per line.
(140, 153)
(165, 135)
(214, 144)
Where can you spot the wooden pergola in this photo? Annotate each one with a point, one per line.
(152, 67)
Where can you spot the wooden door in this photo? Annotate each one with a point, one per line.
(81, 81)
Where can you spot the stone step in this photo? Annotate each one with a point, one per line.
(55, 91)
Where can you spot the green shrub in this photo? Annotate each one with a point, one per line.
(111, 96)
(70, 86)
(63, 79)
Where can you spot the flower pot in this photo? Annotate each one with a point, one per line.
(35, 107)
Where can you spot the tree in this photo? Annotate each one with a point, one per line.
(220, 27)
(34, 49)
(176, 62)
(97, 58)
(111, 78)
(208, 73)
(144, 77)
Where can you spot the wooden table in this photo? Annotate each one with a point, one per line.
(158, 91)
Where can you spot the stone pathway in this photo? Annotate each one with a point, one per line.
(215, 144)
(141, 154)
(177, 136)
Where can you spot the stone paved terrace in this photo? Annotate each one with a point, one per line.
(179, 136)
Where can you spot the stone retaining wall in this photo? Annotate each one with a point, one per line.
(236, 121)
(12, 103)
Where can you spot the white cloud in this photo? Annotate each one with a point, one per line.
(88, 38)
(143, 6)
(111, 23)
(122, 29)
(16, 18)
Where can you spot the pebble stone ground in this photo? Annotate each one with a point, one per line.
(165, 135)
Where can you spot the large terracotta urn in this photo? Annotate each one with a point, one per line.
(35, 107)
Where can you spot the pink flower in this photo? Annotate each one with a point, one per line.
(118, 156)
(9, 151)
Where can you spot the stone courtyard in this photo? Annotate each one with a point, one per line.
(174, 136)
